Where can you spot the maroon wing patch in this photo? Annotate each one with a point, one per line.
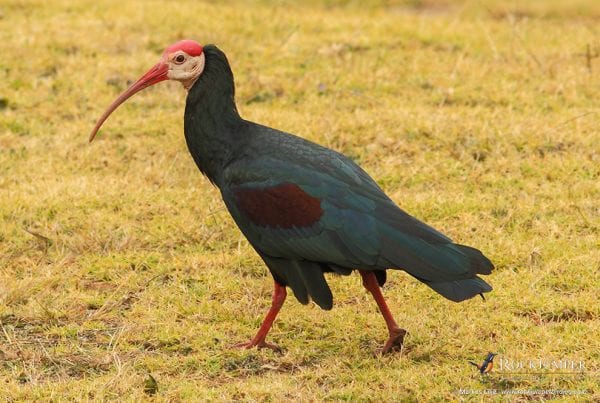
(283, 206)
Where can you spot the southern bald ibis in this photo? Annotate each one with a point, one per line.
(307, 210)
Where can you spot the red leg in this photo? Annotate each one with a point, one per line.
(279, 294)
(396, 333)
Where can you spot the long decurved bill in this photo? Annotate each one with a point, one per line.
(155, 75)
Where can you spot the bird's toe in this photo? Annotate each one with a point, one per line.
(260, 345)
(394, 342)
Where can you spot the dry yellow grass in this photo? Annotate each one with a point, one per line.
(117, 259)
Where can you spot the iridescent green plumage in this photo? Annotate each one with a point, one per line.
(358, 225)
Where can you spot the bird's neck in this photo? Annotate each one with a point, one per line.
(212, 123)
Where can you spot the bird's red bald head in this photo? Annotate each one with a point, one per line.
(188, 46)
(185, 62)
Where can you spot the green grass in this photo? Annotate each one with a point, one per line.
(118, 259)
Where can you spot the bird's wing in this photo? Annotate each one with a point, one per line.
(311, 208)
(333, 215)
(288, 211)
(305, 207)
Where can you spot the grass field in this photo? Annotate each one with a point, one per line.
(118, 259)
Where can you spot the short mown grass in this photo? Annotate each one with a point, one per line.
(118, 259)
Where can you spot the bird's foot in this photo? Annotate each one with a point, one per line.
(258, 344)
(394, 343)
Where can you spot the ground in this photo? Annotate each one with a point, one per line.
(119, 262)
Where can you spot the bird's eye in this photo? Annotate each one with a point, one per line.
(179, 59)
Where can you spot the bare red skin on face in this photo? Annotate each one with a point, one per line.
(190, 47)
(283, 206)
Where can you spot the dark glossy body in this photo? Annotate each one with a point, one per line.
(307, 209)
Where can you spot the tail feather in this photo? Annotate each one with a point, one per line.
(460, 290)
(448, 268)
(431, 262)
(479, 263)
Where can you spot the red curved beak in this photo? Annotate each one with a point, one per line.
(156, 74)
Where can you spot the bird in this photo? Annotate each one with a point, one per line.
(487, 365)
(305, 209)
